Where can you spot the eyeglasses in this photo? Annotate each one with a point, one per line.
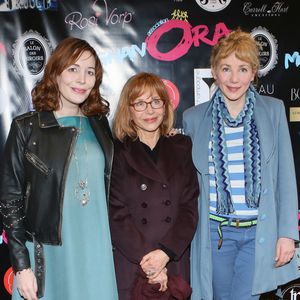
(142, 105)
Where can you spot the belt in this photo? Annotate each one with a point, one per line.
(230, 222)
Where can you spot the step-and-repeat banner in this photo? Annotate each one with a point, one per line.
(172, 38)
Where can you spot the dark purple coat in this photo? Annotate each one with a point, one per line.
(152, 204)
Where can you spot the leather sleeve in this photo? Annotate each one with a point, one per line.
(12, 197)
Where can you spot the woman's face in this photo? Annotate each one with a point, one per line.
(150, 119)
(233, 77)
(76, 81)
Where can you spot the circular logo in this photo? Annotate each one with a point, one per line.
(173, 92)
(291, 292)
(9, 280)
(31, 52)
(213, 5)
(267, 49)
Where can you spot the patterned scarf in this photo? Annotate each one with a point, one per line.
(251, 149)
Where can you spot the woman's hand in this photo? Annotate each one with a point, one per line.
(26, 284)
(173, 132)
(154, 262)
(162, 279)
(285, 250)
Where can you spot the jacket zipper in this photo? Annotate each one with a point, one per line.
(74, 138)
(37, 163)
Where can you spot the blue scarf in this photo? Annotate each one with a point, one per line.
(251, 149)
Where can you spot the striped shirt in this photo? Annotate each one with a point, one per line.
(234, 143)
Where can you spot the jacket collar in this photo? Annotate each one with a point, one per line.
(47, 119)
(140, 160)
(264, 127)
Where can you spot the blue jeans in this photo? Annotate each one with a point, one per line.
(233, 263)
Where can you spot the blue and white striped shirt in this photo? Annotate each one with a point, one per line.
(234, 143)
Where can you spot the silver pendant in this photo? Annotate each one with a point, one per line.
(84, 201)
(82, 184)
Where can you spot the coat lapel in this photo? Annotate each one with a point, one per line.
(138, 159)
(201, 139)
(168, 159)
(264, 128)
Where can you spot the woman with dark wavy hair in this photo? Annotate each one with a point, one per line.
(53, 199)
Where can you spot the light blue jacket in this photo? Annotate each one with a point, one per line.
(278, 209)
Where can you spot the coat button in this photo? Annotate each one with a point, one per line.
(263, 217)
(144, 221)
(144, 204)
(167, 202)
(164, 186)
(261, 240)
(143, 187)
(168, 219)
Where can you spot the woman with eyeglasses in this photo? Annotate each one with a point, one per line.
(153, 197)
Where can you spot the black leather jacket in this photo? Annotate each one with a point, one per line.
(34, 167)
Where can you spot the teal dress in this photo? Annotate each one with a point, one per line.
(82, 268)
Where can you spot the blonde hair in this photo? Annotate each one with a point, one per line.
(242, 44)
(133, 88)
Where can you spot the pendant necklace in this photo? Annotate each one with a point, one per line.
(82, 192)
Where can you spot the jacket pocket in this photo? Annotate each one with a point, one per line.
(36, 162)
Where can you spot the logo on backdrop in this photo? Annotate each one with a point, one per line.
(3, 238)
(295, 94)
(31, 52)
(178, 14)
(173, 92)
(9, 280)
(76, 20)
(294, 114)
(10, 5)
(268, 49)
(266, 89)
(213, 5)
(190, 36)
(276, 9)
(204, 85)
(292, 292)
(293, 59)
(3, 49)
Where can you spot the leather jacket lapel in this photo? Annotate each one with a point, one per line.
(104, 137)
